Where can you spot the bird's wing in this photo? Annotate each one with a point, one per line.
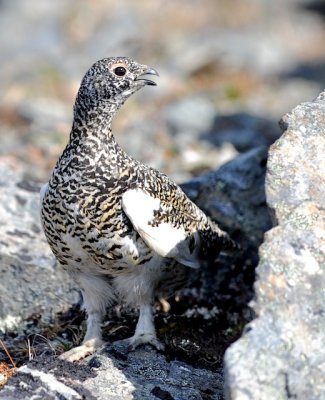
(161, 227)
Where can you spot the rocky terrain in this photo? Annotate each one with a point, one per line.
(250, 326)
(280, 354)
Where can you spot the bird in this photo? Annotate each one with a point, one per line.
(121, 229)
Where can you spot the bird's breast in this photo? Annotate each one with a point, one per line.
(84, 223)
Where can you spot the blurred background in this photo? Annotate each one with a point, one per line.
(229, 69)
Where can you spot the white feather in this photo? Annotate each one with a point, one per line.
(165, 239)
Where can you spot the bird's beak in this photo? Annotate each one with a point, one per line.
(148, 71)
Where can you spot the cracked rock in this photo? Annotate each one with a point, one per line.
(281, 354)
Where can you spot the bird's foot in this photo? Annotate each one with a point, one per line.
(139, 339)
(85, 349)
(164, 305)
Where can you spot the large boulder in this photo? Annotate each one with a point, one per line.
(281, 355)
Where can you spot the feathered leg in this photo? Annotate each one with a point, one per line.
(138, 289)
(145, 332)
(97, 295)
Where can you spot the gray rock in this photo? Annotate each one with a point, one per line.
(114, 375)
(281, 354)
(30, 281)
(191, 115)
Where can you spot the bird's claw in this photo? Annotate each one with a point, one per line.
(82, 351)
(137, 340)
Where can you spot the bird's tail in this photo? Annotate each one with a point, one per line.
(229, 246)
(215, 241)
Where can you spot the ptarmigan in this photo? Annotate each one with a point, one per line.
(123, 230)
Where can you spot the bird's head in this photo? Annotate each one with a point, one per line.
(113, 80)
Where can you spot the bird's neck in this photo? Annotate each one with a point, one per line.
(91, 142)
(91, 129)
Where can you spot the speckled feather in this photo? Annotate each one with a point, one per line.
(83, 216)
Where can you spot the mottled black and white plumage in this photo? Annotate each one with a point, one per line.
(123, 230)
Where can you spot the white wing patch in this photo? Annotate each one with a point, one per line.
(165, 239)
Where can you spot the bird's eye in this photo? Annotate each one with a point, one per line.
(119, 71)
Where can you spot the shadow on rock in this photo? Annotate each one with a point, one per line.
(314, 71)
(234, 196)
(244, 131)
(316, 6)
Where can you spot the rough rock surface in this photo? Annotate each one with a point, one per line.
(30, 284)
(281, 355)
(114, 375)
